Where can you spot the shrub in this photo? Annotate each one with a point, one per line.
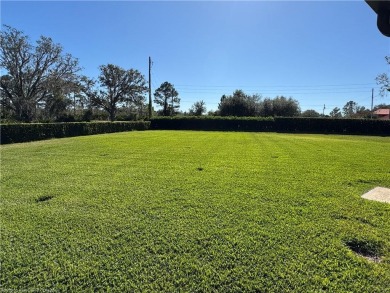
(277, 124)
(11, 133)
(333, 126)
(213, 123)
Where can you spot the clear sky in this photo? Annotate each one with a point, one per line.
(318, 52)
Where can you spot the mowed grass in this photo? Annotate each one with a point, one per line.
(181, 211)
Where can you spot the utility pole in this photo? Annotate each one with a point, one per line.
(150, 87)
(372, 101)
(172, 111)
(74, 104)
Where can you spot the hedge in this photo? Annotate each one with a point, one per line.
(277, 124)
(213, 123)
(333, 126)
(12, 133)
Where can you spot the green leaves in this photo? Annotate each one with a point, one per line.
(118, 86)
(167, 97)
(34, 75)
(12, 133)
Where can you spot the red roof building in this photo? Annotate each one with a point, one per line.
(383, 114)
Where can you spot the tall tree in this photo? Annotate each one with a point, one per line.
(350, 108)
(117, 86)
(279, 106)
(285, 107)
(335, 113)
(33, 74)
(239, 104)
(198, 108)
(167, 97)
(267, 108)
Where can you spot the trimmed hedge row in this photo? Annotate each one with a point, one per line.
(213, 123)
(12, 133)
(333, 126)
(277, 124)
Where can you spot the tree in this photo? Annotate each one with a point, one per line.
(167, 97)
(285, 107)
(140, 106)
(82, 98)
(239, 104)
(383, 80)
(56, 107)
(213, 113)
(33, 74)
(279, 106)
(381, 106)
(350, 108)
(267, 108)
(198, 108)
(335, 113)
(117, 87)
(362, 112)
(310, 113)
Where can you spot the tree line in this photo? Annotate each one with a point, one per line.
(242, 105)
(43, 83)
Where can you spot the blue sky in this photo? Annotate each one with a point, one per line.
(318, 52)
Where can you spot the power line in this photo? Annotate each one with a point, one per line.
(302, 85)
(278, 89)
(361, 85)
(279, 93)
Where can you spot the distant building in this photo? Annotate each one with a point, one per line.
(383, 114)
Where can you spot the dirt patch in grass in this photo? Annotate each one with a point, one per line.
(44, 198)
(370, 250)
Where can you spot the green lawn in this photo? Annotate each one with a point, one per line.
(194, 211)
